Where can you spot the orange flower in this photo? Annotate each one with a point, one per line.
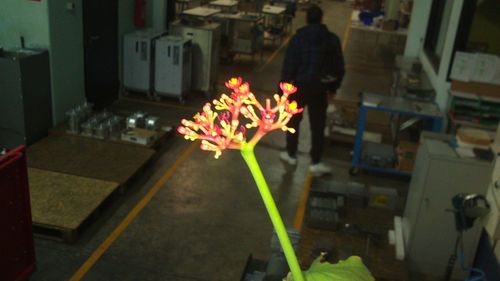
(234, 83)
(288, 88)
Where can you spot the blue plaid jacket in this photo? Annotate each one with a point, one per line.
(312, 49)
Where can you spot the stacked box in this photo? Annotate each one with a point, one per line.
(407, 153)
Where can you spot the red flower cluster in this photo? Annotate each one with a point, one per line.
(220, 130)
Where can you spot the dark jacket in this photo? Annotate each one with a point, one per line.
(312, 50)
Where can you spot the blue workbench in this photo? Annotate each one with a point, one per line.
(394, 105)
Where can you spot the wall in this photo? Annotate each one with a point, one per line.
(67, 56)
(486, 26)
(125, 25)
(418, 27)
(415, 41)
(47, 24)
(24, 18)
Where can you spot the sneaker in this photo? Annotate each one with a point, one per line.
(284, 156)
(320, 169)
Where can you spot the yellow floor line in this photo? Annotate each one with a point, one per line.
(301, 208)
(162, 104)
(99, 251)
(347, 33)
(273, 56)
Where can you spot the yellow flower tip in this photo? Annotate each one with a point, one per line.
(291, 130)
(293, 105)
(234, 82)
(288, 88)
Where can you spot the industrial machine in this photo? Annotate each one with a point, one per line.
(205, 40)
(172, 67)
(467, 208)
(25, 97)
(138, 67)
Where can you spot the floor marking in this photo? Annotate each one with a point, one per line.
(271, 58)
(301, 208)
(99, 251)
(347, 32)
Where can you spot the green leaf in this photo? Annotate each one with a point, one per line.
(351, 269)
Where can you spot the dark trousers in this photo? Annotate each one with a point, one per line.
(315, 98)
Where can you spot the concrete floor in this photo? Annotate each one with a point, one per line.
(208, 217)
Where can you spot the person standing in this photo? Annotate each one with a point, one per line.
(315, 64)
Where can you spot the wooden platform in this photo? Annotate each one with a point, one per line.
(61, 204)
(90, 158)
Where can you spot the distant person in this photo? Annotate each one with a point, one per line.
(315, 64)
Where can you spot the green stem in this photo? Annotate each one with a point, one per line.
(291, 258)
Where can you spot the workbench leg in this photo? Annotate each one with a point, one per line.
(358, 143)
(437, 125)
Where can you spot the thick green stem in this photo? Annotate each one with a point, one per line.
(291, 258)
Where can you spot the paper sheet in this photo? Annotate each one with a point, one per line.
(484, 68)
(462, 66)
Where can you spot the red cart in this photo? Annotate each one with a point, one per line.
(17, 253)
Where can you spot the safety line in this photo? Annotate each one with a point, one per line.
(99, 251)
(301, 208)
(273, 56)
(347, 33)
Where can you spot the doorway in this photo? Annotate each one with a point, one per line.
(100, 39)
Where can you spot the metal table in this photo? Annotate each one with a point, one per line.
(243, 32)
(182, 4)
(393, 105)
(226, 6)
(200, 12)
(275, 22)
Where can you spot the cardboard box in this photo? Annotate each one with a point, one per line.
(481, 89)
(407, 153)
(383, 197)
(390, 25)
(139, 136)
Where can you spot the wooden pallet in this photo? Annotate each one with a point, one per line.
(90, 158)
(63, 205)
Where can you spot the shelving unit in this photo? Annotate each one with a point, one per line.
(396, 106)
(472, 110)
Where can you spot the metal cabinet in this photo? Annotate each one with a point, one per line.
(25, 97)
(138, 60)
(428, 228)
(205, 40)
(172, 66)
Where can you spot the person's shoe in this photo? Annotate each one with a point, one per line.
(284, 156)
(319, 169)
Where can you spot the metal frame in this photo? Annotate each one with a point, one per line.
(437, 126)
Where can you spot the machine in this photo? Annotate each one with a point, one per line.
(138, 58)
(205, 40)
(469, 207)
(25, 97)
(172, 67)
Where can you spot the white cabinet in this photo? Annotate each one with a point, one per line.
(205, 40)
(137, 60)
(428, 225)
(172, 66)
